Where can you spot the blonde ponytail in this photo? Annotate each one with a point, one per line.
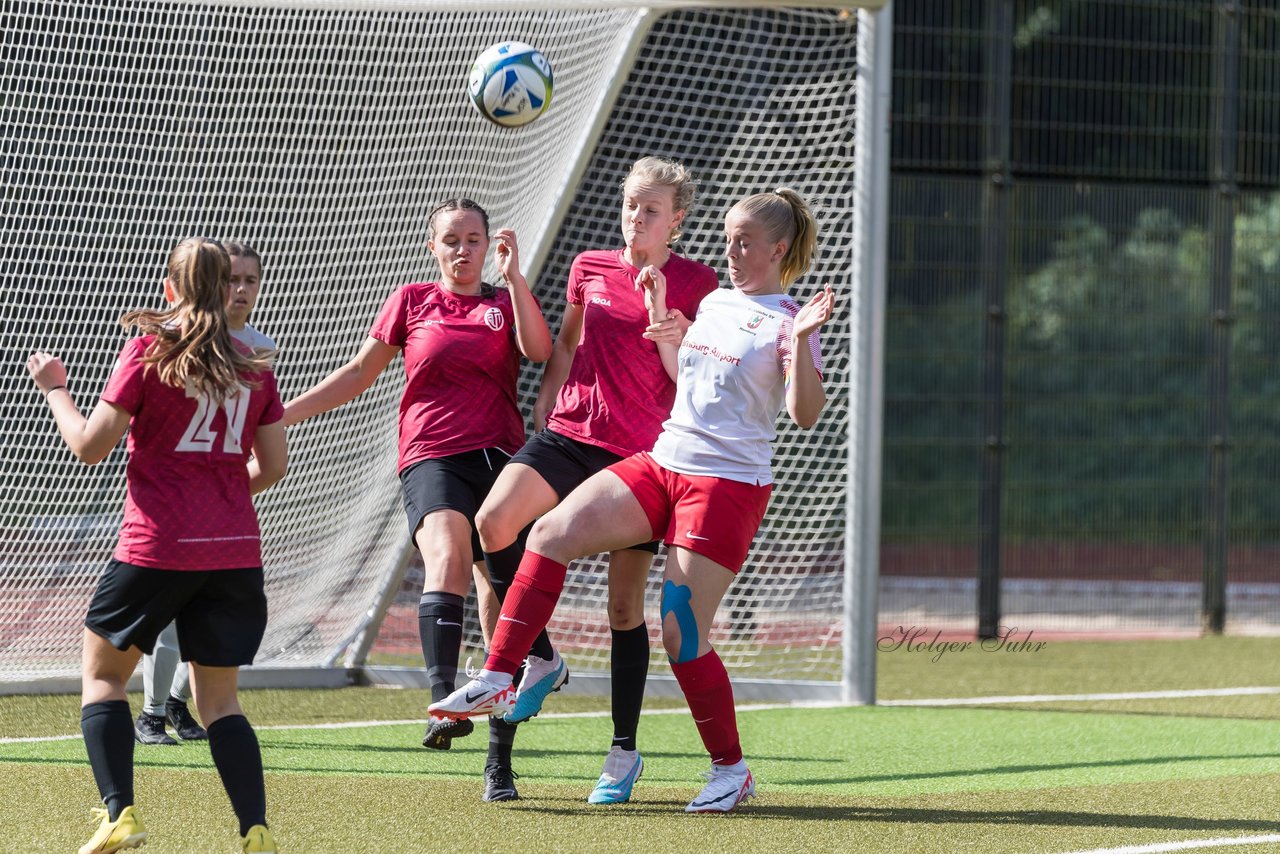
(785, 217)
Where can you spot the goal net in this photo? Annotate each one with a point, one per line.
(322, 133)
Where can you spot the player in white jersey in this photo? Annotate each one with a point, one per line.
(166, 678)
(751, 352)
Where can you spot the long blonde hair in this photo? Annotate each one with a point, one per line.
(662, 172)
(786, 217)
(193, 344)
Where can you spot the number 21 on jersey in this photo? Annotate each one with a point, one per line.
(200, 435)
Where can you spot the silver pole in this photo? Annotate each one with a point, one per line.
(867, 311)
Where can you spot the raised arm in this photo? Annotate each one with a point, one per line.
(805, 396)
(90, 439)
(557, 370)
(345, 384)
(532, 335)
(666, 327)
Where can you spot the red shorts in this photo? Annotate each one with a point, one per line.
(711, 516)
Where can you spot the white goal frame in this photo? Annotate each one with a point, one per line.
(853, 681)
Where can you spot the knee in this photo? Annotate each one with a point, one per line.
(625, 611)
(681, 634)
(494, 533)
(671, 642)
(216, 707)
(544, 537)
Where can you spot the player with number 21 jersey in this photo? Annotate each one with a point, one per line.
(181, 444)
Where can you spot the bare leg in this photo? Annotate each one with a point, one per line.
(517, 497)
(691, 593)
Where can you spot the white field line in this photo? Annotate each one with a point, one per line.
(755, 707)
(1157, 847)
(1084, 698)
(939, 701)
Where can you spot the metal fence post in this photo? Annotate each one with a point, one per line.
(1226, 73)
(995, 272)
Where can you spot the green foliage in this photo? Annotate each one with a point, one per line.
(1106, 385)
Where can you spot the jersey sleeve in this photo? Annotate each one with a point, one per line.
(274, 410)
(574, 289)
(784, 347)
(391, 325)
(124, 387)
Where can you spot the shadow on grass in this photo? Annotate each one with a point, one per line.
(478, 744)
(907, 815)
(1031, 769)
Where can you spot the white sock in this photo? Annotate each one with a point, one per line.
(497, 680)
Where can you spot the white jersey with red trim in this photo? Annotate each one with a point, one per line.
(731, 387)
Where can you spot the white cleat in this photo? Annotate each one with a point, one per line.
(727, 786)
(477, 697)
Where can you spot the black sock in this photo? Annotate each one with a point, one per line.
(108, 739)
(440, 630)
(628, 669)
(501, 736)
(502, 570)
(239, 760)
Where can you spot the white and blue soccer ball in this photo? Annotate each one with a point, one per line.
(511, 84)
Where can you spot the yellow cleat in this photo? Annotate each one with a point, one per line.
(125, 832)
(259, 841)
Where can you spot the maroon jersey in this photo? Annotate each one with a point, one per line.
(187, 504)
(618, 393)
(461, 362)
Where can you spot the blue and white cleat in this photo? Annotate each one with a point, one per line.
(541, 679)
(621, 770)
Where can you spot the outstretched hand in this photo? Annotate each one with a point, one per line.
(507, 253)
(47, 371)
(815, 313)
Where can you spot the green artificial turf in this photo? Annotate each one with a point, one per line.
(1038, 777)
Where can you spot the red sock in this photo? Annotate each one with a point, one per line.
(706, 686)
(526, 611)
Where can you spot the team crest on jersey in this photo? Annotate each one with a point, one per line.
(494, 320)
(752, 324)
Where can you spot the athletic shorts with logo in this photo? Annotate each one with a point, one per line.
(711, 516)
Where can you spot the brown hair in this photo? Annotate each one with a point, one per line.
(458, 204)
(661, 172)
(240, 249)
(787, 218)
(193, 343)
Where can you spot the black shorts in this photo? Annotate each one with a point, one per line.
(565, 463)
(221, 613)
(459, 482)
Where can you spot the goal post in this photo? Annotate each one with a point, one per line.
(322, 133)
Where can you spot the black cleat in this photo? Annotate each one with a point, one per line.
(149, 729)
(176, 713)
(499, 783)
(442, 731)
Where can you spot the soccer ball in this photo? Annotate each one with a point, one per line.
(511, 84)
